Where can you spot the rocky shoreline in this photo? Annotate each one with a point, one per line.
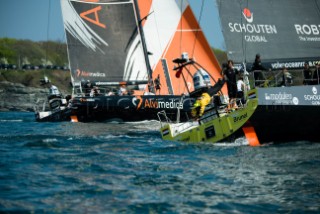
(18, 97)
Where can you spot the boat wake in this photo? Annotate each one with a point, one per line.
(241, 141)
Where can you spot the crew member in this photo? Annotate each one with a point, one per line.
(122, 89)
(241, 88)
(200, 105)
(87, 88)
(257, 68)
(286, 77)
(230, 77)
(316, 74)
(94, 92)
(54, 92)
(157, 84)
(307, 73)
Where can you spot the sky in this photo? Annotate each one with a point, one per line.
(41, 20)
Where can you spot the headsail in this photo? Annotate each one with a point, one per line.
(104, 42)
(285, 32)
(170, 30)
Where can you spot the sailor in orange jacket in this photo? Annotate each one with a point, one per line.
(201, 103)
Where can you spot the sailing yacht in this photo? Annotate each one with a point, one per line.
(286, 34)
(132, 42)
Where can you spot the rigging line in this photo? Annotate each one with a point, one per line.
(158, 34)
(244, 47)
(199, 20)
(156, 23)
(181, 18)
(317, 6)
(181, 3)
(220, 25)
(245, 44)
(47, 42)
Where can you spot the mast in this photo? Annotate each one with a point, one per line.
(144, 46)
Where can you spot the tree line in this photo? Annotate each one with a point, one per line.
(41, 54)
(46, 53)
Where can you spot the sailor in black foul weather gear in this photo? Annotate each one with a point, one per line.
(230, 76)
(257, 68)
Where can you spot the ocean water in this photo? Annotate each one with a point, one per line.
(127, 168)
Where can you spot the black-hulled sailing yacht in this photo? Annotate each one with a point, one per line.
(286, 34)
(129, 42)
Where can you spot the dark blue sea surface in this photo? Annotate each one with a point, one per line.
(127, 168)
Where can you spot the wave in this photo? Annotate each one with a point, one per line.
(242, 141)
(44, 143)
(11, 120)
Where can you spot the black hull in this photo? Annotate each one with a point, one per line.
(283, 115)
(288, 114)
(90, 115)
(130, 108)
(287, 123)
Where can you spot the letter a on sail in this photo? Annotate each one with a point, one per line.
(94, 21)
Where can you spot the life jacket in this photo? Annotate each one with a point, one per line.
(202, 103)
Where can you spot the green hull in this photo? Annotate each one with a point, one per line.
(213, 126)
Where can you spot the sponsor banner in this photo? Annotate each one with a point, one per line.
(291, 64)
(295, 95)
(279, 30)
(279, 64)
(145, 102)
(139, 102)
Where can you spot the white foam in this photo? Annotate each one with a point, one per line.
(242, 141)
(50, 140)
(11, 120)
